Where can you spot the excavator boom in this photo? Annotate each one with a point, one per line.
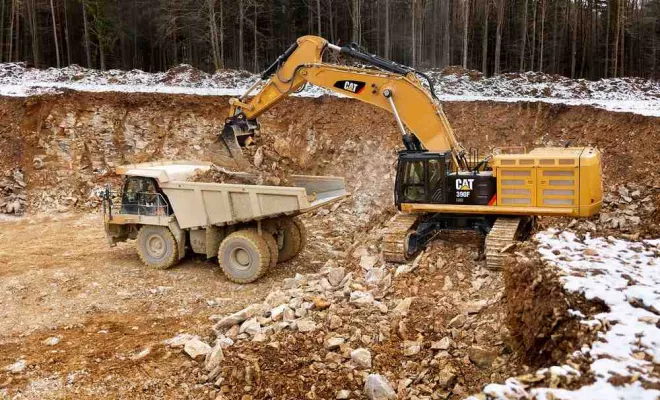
(389, 86)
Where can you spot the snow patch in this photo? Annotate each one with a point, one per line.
(626, 277)
(634, 95)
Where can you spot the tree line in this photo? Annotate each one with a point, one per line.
(578, 38)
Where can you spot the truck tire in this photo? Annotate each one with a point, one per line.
(303, 234)
(272, 247)
(291, 242)
(157, 247)
(244, 256)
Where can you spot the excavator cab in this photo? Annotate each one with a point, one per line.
(422, 177)
(427, 177)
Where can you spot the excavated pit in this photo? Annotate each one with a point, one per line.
(67, 145)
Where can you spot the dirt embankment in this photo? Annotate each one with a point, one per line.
(75, 139)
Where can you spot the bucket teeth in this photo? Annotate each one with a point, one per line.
(395, 248)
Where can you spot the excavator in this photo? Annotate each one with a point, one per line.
(439, 185)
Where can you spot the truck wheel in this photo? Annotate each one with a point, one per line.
(272, 247)
(157, 247)
(244, 256)
(303, 233)
(291, 241)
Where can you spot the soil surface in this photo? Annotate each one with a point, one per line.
(60, 279)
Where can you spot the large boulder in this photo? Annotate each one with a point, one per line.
(377, 387)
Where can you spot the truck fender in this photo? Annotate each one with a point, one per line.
(180, 236)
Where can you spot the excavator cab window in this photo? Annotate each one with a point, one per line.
(414, 188)
(421, 177)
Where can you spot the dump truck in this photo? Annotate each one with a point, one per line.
(249, 228)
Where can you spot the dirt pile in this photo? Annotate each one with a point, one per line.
(221, 175)
(13, 196)
(430, 327)
(630, 211)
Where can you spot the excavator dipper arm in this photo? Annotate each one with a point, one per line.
(392, 87)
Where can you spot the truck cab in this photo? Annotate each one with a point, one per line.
(142, 196)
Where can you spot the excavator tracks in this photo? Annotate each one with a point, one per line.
(501, 236)
(394, 241)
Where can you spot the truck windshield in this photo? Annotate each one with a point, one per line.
(141, 196)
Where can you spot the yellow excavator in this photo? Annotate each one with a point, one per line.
(439, 186)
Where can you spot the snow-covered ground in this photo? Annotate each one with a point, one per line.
(618, 94)
(626, 277)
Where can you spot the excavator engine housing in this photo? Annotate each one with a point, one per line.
(545, 181)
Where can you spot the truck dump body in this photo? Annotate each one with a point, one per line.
(200, 204)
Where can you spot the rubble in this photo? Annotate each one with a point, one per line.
(483, 358)
(361, 357)
(179, 340)
(195, 348)
(344, 322)
(17, 367)
(376, 387)
(13, 192)
(51, 341)
(219, 174)
(214, 358)
(629, 211)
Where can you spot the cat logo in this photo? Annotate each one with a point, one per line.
(350, 86)
(464, 184)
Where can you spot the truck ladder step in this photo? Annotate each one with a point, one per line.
(501, 236)
(395, 248)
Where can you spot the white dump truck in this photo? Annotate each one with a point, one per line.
(248, 227)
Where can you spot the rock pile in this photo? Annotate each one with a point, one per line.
(221, 175)
(13, 193)
(355, 330)
(630, 210)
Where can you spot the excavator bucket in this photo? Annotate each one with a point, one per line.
(226, 151)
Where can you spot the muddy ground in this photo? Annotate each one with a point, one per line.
(58, 277)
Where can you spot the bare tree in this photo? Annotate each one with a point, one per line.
(11, 30)
(2, 32)
(574, 39)
(356, 19)
(67, 39)
(32, 25)
(541, 50)
(213, 31)
(331, 22)
(388, 45)
(255, 66)
(318, 17)
(446, 37)
(413, 33)
(241, 44)
(87, 50)
(466, 20)
(607, 41)
(555, 39)
(523, 35)
(484, 40)
(533, 44)
(222, 34)
(57, 46)
(498, 35)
